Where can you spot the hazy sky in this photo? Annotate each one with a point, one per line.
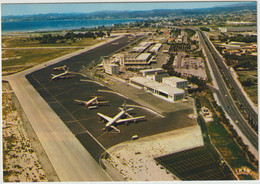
(28, 9)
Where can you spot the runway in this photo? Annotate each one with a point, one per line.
(63, 144)
(84, 123)
(71, 161)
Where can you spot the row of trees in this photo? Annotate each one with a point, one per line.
(223, 119)
(204, 29)
(238, 38)
(249, 82)
(51, 39)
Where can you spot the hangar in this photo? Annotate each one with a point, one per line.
(163, 90)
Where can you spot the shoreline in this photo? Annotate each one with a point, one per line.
(73, 28)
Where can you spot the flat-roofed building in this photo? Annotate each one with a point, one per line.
(152, 71)
(111, 68)
(144, 58)
(156, 48)
(142, 47)
(163, 90)
(175, 82)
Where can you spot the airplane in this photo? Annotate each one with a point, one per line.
(60, 68)
(117, 119)
(93, 101)
(61, 75)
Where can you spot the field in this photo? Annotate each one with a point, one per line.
(227, 147)
(19, 59)
(19, 56)
(28, 41)
(196, 164)
(251, 90)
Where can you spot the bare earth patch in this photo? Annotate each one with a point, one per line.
(20, 162)
(135, 159)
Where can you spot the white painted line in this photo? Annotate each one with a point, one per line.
(107, 91)
(148, 109)
(84, 80)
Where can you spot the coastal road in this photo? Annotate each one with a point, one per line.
(226, 99)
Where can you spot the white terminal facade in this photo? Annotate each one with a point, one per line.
(158, 88)
(158, 82)
(155, 74)
(175, 82)
(111, 68)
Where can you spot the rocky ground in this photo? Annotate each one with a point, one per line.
(20, 163)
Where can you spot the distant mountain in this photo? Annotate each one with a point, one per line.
(131, 14)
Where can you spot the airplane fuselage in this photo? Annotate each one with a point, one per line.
(59, 75)
(118, 116)
(90, 101)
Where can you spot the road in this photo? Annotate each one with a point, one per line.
(71, 161)
(231, 82)
(226, 99)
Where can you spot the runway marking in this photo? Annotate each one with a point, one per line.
(148, 109)
(84, 119)
(53, 102)
(64, 92)
(53, 131)
(73, 117)
(108, 91)
(84, 80)
(77, 109)
(79, 133)
(102, 135)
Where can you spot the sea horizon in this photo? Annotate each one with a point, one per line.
(58, 25)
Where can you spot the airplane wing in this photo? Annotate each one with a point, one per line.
(116, 129)
(130, 119)
(104, 116)
(102, 102)
(79, 101)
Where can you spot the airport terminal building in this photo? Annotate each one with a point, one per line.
(175, 82)
(156, 74)
(163, 90)
(138, 59)
(111, 69)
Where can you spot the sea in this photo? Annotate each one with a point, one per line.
(32, 26)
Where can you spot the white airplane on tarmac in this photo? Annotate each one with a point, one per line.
(60, 68)
(94, 102)
(61, 75)
(117, 119)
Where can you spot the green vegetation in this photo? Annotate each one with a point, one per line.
(70, 36)
(21, 59)
(223, 135)
(204, 29)
(249, 80)
(247, 61)
(22, 41)
(238, 38)
(190, 32)
(226, 145)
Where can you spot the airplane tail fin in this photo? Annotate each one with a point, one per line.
(125, 107)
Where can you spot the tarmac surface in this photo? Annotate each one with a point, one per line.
(84, 123)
